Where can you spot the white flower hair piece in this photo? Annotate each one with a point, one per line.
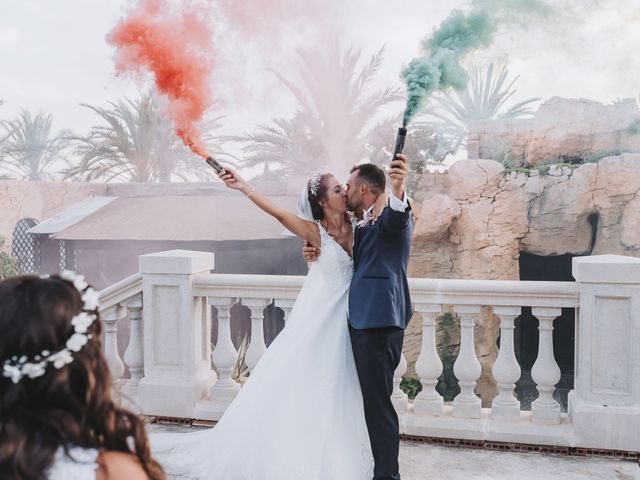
(314, 184)
(16, 368)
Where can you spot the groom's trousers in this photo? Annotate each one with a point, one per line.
(377, 354)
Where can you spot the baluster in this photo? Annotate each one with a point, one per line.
(428, 365)
(467, 368)
(110, 318)
(506, 369)
(545, 371)
(398, 397)
(134, 354)
(286, 304)
(257, 346)
(224, 354)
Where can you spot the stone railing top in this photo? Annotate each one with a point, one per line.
(423, 290)
(515, 293)
(246, 286)
(606, 269)
(120, 291)
(176, 262)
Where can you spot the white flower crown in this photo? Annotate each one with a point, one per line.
(314, 184)
(16, 368)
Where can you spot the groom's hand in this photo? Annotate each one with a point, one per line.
(309, 253)
(398, 171)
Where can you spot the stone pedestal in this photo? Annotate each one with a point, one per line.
(605, 405)
(177, 349)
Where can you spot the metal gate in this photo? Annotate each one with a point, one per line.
(25, 247)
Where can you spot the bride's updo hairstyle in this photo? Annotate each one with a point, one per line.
(66, 404)
(317, 191)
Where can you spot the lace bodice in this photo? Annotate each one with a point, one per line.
(80, 465)
(334, 263)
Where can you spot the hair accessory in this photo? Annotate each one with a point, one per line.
(314, 184)
(17, 368)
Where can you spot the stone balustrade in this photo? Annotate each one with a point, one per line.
(172, 374)
(116, 302)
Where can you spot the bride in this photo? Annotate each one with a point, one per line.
(300, 414)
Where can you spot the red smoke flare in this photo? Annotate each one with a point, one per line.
(175, 44)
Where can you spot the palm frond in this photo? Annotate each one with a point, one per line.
(135, 142)
(486, 97)
(330, 125)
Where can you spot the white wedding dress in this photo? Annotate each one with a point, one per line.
(299, 416)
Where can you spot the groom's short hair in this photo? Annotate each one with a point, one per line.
(372, 175)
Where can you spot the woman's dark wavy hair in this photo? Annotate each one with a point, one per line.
(66, 407)
(321, 194)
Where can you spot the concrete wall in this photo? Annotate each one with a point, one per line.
(38, 200)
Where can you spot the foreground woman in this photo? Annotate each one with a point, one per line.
(57, 418)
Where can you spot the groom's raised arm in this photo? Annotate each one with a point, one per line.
(396, 218)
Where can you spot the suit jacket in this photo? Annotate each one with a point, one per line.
(379, 294)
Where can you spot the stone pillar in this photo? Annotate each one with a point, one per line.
(605, 404)
(134, 354)
(506, 369)
(429, 365)
(177, 364)
(545, 371)
(467, 368)
(110, 318)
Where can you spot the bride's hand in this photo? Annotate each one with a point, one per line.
(234, 181)
(380, 205)
(309, 253)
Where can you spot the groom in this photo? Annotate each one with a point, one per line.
(379, 302)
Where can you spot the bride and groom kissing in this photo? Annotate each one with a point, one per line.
(318, 404)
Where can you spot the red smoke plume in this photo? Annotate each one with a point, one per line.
(175, 44)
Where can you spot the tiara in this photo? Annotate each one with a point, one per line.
(314, 184)
(16, 367)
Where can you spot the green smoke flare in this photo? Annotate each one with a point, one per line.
(440, 67)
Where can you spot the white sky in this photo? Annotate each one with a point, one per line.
(53, 55)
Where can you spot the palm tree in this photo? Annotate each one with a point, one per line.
(138, 144)
(29, 148)
(330, 124)
(3, 176)
(450, 114)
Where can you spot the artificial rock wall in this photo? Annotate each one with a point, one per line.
(477, 229)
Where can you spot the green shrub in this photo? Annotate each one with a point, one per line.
(8, 264)
(411, 386)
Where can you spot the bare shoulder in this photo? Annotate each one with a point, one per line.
(117, 465)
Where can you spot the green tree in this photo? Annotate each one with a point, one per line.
(8, 264)
(138, 144)
(30, 148)
(330, 126)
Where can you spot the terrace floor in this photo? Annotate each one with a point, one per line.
(420, 461)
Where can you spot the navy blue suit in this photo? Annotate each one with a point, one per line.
(379, 292)
(379, 311)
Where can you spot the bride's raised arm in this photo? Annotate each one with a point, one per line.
(302, 228)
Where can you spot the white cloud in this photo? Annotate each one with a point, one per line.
(9, 36)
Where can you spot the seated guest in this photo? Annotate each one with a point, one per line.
(57, 418)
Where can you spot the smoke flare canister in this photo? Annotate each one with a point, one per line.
(215, 164)
(402, 134)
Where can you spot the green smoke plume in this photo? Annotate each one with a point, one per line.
(440, 67)
(514, 11)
